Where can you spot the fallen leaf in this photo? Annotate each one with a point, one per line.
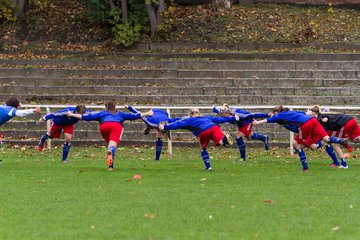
(137, 176)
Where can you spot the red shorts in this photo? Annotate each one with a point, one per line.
(246, 129)
(350, 130)
(55, 131)
(311, 132)
(214, 133)
(111, 131)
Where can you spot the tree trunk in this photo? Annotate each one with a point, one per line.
(124, 10)
(152, 17)
(112, 5)
(160, 8)
(154, 14)
(21, 4)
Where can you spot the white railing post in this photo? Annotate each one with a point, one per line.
(169, 136)
(291, 139)
(48, 128)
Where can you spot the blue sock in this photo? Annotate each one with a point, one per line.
(159, 144)
(302, 157)
(258, 136)
(242, 147)
(335, 140)
(206, 159)
(319, 144)
(330, 151)
(113, 151)
(66, 149)
(43, 139)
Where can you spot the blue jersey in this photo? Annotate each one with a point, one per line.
(60, 119)
(245, 116)
(6, 113)
(106, 116)
(291, 120)
(159, 116)
(199, 124)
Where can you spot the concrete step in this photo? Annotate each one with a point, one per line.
(175, 73)
(217, 91)
(197, 100)
(180, 82)
(182, 64)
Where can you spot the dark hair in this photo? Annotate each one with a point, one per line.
(278, 109)
(110, 106)
(81, 109)
(12, 102)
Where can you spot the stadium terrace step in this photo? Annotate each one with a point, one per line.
(181, 64)
(175, 73)
(178, 100)
(179, 82)
(164, 90)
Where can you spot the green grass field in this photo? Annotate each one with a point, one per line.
(266, 197)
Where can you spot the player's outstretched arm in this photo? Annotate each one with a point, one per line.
(75, 115)
(256, 122)
(148, 113)
(26, 112)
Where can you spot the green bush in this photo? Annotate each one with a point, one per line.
(126, 32)
(7, 11)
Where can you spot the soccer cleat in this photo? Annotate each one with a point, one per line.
(64, 161)
(147, 131)
(343, 167)
(346, 144)
(266, 143)
(209, 169)
(40, 148)
(109, 161)
(333, 165)
(228, 138)
(305, 170)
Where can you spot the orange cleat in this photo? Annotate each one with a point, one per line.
(109, 161)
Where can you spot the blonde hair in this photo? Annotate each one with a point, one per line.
(318, 110)
(193, 111)
(279, 108)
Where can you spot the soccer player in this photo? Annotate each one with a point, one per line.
(244, 127)
(309, 130)
(11, 109)
(61, 123)
(111, 127)
(337, 125)
(152, 122)
(206, 128)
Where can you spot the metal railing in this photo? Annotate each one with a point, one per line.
(169, 108)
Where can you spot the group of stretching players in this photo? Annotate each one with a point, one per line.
(314, 129)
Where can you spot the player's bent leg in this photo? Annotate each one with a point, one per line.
(111, 155)
(340, 154)
(341, 141)
(41, 143)
(263, 138)
(227, 139)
